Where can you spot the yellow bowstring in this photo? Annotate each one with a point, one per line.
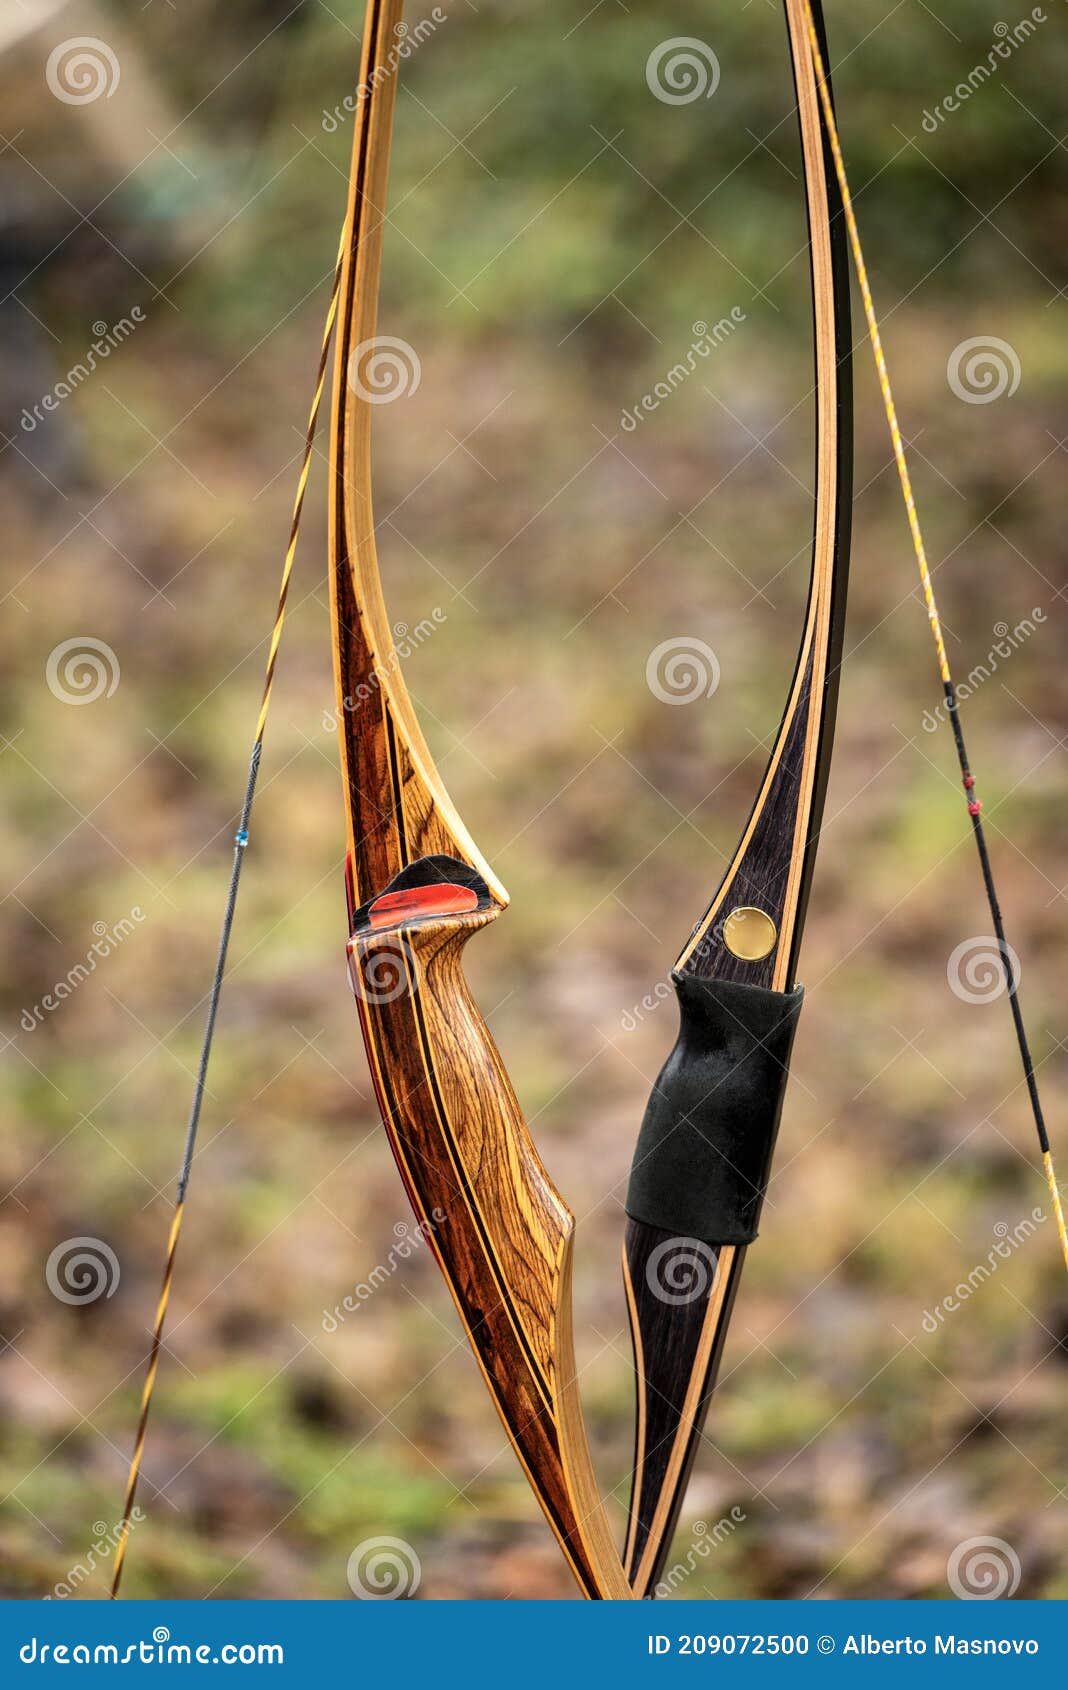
(925, 578)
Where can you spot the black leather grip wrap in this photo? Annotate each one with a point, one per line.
(704, 1152)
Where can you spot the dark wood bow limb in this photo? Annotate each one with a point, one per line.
(418, 891)
(704, 1153)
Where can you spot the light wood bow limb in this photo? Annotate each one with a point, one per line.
(418, 891)
(705, 1148)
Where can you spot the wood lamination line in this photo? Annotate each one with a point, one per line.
(641, 1416)
(799, 689)
(566, 1530)
(538, 1354)
(392, 1112)
(689, 1421)
(826, 513)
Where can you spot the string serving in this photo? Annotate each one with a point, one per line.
(240, 842)
(948, 685)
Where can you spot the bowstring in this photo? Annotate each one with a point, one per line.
(240, 842)
(948, 685)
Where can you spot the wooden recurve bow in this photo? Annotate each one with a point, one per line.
(418, 890)
(703, 1156)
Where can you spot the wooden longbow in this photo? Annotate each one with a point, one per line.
(704, 1153)
(418, 890)
(703, 1156)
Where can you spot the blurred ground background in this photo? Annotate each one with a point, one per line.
(557, 231)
